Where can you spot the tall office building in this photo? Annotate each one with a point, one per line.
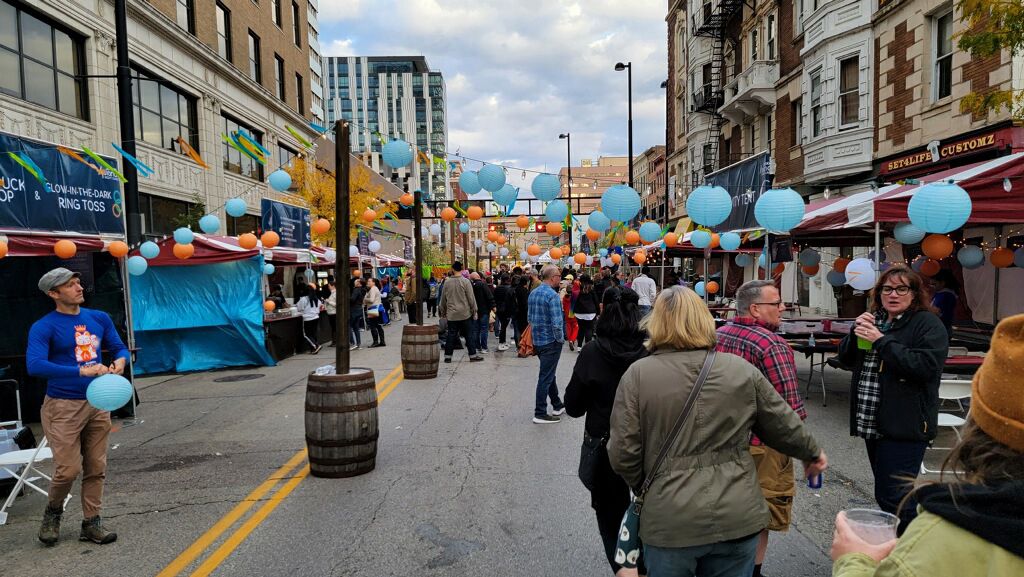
(316, 65)
(392, 97)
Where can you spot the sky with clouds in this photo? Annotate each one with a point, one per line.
(519, 73)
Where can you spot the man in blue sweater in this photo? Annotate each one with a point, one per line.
(65, 347)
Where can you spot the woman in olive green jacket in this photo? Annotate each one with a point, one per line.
(705, 504)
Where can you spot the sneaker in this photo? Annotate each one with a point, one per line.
(49, 531)
(484, 352)
(317, 350)
(354, 348)
(447, 359)
(92, 530)
(476, 359)
(558, 411)
(546, 419)
(572, 346)
(502, 347)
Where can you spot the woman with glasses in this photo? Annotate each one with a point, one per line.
(897, 351)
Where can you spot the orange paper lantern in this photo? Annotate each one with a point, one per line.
(715, 239)
(711, 287)
(247, 241)
(474, 213)
(930, 267)
(406, 200)
(632, 237)
(671, 239)
(65, 248)
(839, 265)
(492, 235)
(1001, 257)
(555, 252)
(269, 306)
(321, 226)
(369, 215)
(937, 246)
(357, 273)
(117, 249)
(554, 228)
(639, 257)
(523, 221)
(533, 250)
(580, 258)
(502, 239)
(448, 214)
(270, 239)
(593, 234)
(184, 251)
(3, 249)
(616, 258)
(811, 270)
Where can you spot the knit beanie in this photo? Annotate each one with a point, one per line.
(997, 393)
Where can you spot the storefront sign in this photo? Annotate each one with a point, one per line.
(290, 222)
(938, 150)
(745, 182)
(73, 196)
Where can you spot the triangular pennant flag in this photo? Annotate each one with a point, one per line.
(71, 153)
(143, 169)
(104, 164)
(21, 160)
(187, 149)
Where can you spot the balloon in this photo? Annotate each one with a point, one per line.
(491, 177)
(469, 183)
(369, 215)
(554, 228)
(533, 250)
(580, 258)
(65, 248)
(779, 209)
(435, 229)
(616, 258)
(209, 224)
(840, 264)
(353, 251)
(593, 235)
(269, 305)
(700, 238)
(937, 246)
(546, 187)
(280, 180)
(406, 200)
(137, 265)
(632, 237)
(235, 207)
(709, 205)
(149, 249)
(247, 241)
(556, 211)
(711, 287)
(1001, 257)
(268, 269)
(939, 207)
(464, 227)
(373, 246)
(523, 221)
(810, 257)
(860, 274)
(907, 233)
(620, 202)
(930, 267)
(835, 278)
(730, 241)
(448, 214)
(117, 249)
(321, 226)
(650, 231)
(743, 260)
(598, 221)
(184, 251)
(397, 153)
(555, 253)
(506, 195)
(474, 213)
(970, 256)
(700, 289)
(270, 239)
(109, 392)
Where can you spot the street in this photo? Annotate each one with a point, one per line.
(213, 480)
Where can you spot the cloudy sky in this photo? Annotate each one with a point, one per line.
(519, 73)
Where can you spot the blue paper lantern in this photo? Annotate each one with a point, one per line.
(700, 238)
(729, 241)
(149, 249)
(464, 227)
(917, 262)
(523, 255)
(650, 231)
(546, 187)
(762, 261)
(109, 392)
(506, 195)
(235, 207)
(469, 183)
(556, 211)
(971, 256)
(743, 260)
(603, 252)
(699, 289)
(907, 233)
(183, 235)
(939, 207)
(1018, 258)
(209, 224)
(620, 203)
(809, 257)
(598, 221)
(397, 153)
(137, 265)
(268, 269)
(835, 278)
(280, 180)
(709, 205)
(779, 209)
(492, 177)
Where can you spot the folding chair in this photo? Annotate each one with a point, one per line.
(951, 390)
(26, 460)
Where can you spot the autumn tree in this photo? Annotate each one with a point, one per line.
(991, 27)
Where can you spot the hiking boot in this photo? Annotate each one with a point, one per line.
(92, 530)
(49, 531)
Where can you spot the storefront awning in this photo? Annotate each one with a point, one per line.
(208, 250)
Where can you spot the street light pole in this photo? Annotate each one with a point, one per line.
(127, 122)
(341, 241)
(628, 67)
(568, 179)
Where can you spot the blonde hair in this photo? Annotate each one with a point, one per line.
(679, 320)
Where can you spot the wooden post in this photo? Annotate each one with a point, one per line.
(341, 225)
(417, 239)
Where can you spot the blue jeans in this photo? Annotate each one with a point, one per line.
(546, 387)
(482, 330)
(891, 463)
(725, 559)
(644, 309)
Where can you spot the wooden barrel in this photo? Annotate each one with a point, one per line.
(341, 423)
(420, 352)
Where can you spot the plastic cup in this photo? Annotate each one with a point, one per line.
(863, 344)
(873, 526)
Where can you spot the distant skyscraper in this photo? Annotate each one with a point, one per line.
(392, 97)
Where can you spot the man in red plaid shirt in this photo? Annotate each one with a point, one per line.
(751, 335)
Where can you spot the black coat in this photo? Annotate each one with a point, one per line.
(522, 304)
(505, 301)
(912, 353)
(595, 378)
(484, 299)
(586, 303)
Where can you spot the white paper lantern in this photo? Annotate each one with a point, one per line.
(353, 251)
(374, 246)
(435, 229)
(860, 274)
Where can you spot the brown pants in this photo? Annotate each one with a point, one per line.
(77, 433)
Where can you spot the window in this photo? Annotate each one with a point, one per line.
(243, 224)
(300, 100)
(186, 15)
(254, 57)
(39, 62)
(285, 156)
(275, 6)
(279, 77)
(816, 103)
(768, 134)
(797, 124)
(223, 32)
(770, 37)
(942, 76)
(751, 140)
(235, 161)
(798, 24)
(753, 45)
(296, 25)
(163, 113)
(160, 214)
(849, 90)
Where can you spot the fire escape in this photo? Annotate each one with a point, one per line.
(713, 22)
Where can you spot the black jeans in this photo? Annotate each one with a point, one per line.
(586, 332)
(466, 327)
(332, 319)
(503, 333)
(376, 331)
(895, 464)
(609, 499)
(310, 329)
(355, 321)
(432, 306)
(413, 309)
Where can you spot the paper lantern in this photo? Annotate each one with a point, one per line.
(700, 238)
(109, 392)
(556, 211)
(593, 235)
(117, 249)
(835, 278)
(860, 274)
(730, 241)
(554, 228)
(185, 251)
(65, 248)
(1001, 257)
(939, 207)
(743, 260)
(270, 239)
(492, 177)
(589, 260)
(555, 253)
(502, 239)
(469, 183)
(1018, 258)
(632, 237)
(671, 239)
(235, 207)
(321, 226)
(137, 265)
(369, 215)
(353, 251)
(840, 264)
(970, 257)
(533, 250)
(598, 221)
(492, 235)
(357, 273)
(616, 258)
(714, 240)
(209, 224)
(709, 205)
(478, 243)
(523, 221)
(149, 249)
(930, 267)
(464, 227)
(779, 209)
(711, 287)
(406, 200)
(491, 247)
(700, 289)
(809, 257)
(474, 213)
(580, 258)
(397, 153)
(4, 249)
(907, 233)
(602, 252)
(503, 251)
(435, 229)
(762, 261)
(523, 255)
(280, 180)
(183, 235)
(268, 269)
(373, 246)
(620, 203)
(917, 262)
(247, 241)
(448, 214)
(937, 246)
(810, 270)
(546, 187)
(639, 257)
(506, 195)
(650, 231)
(269, 306)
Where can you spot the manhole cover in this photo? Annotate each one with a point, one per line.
(237, 378)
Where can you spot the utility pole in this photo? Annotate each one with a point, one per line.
(341, 225)
(127, 122)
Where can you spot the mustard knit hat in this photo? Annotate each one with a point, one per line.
(997, 393)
